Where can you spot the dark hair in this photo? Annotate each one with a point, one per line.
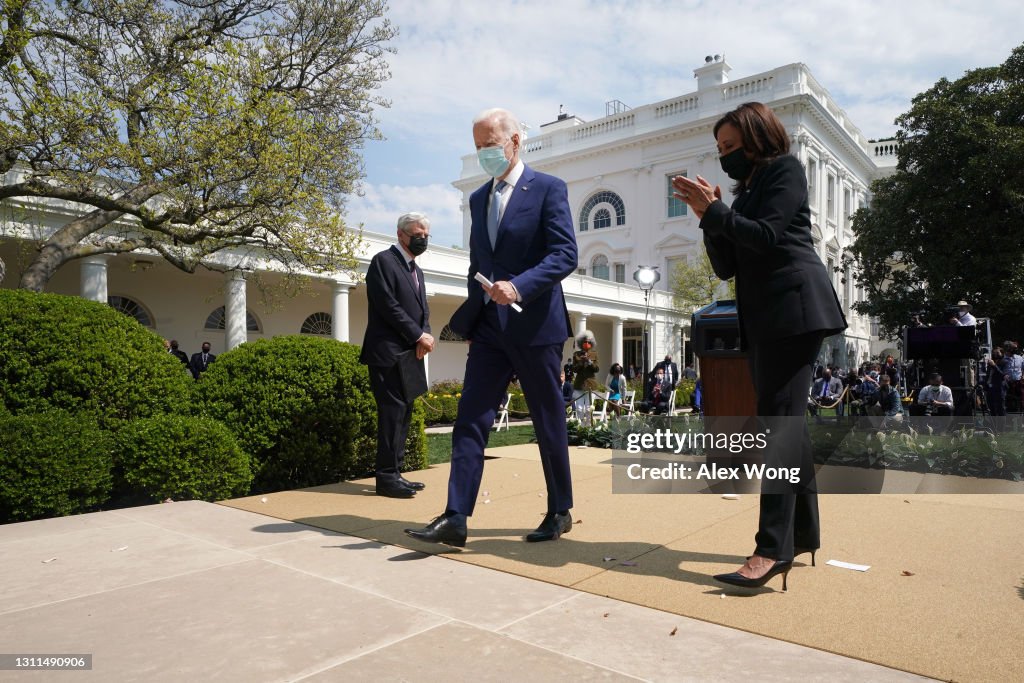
(616, 366)
(761, 132)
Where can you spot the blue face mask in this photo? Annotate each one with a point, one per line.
(492, 160)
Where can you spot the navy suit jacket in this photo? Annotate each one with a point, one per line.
(764, 241)
(535, 250)
(397, 312)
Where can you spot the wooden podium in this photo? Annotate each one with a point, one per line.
(724, 370)
(727, 387)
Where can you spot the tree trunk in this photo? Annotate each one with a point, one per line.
(51, 257)
(3, 269)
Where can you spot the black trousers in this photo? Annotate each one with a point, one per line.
(393, 416)
(781, 370)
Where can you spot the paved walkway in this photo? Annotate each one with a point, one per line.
(200, 591)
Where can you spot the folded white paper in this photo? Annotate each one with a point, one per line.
(849, 565)
(482, 279)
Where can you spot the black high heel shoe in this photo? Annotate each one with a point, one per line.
(737, 579)
(801, 551)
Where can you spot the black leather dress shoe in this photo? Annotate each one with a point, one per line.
(553, 526)
(442, 530)
(394, 489)
(414, 485)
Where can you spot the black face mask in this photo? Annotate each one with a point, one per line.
(736, 164)
(417, 245)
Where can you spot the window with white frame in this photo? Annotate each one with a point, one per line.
(588, 216)
(830, 196)
(620, 272)
(812, 181)
(676, 208)
(847, 207)
(599, 267)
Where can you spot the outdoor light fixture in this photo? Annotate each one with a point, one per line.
(646, 277)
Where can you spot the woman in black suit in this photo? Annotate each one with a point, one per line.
(786, 307)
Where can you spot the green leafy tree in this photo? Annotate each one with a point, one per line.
(695, 284)
(187, 128)
(947, 225)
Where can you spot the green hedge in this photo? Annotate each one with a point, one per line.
(52, 464)
(302, 408)
(182, 458)
(67, 353)
(441, 403)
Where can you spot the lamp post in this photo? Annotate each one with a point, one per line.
(646, 277)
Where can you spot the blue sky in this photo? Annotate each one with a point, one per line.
(455, 58)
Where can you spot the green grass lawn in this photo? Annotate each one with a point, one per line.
(439, 446)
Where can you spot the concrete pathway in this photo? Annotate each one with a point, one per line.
(195, 591)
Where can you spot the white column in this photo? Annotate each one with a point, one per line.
(677, 350)
(652, 347)
(616, 342)
(94, 278)
(235, 332)
(339, 314)
(581, 323)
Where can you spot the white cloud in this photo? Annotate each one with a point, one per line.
(454, 59)
(380, 206)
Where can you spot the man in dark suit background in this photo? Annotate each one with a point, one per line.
(172, 348)
(200, 361)
(671, 370)
(824, 392)
(398, 322)
(522, 240)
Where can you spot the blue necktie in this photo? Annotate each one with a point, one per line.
(493, 211)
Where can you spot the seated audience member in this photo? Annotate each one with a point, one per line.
(890, 403)
(661, 389)
(616, 383)
(936, 397)
(825, 392)
(566, 390)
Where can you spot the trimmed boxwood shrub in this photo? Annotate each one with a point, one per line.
(183, 458)
(82, 356)
(302, 408)
(52, 464)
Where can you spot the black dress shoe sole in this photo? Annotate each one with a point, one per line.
(454, 542)
(540, 536)
(403, 494)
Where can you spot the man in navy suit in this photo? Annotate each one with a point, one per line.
(398, 322)
(522, 240)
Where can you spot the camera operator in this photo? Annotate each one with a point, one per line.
(936, 398)
(963, 315)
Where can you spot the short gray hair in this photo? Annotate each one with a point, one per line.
(407, 219)
(506, 119)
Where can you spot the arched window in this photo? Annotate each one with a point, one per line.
(215, 321)
(599, 267)
(602, 214)
(318, 323)
(132, 309)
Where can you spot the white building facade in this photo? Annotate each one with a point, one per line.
(618, 170)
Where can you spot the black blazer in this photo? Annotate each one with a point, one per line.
(397, 313)
(197, 366)
(764, 241)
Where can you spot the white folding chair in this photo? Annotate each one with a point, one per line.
(628, 399)
(602, 415)
(502, 416)
(671, 411)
